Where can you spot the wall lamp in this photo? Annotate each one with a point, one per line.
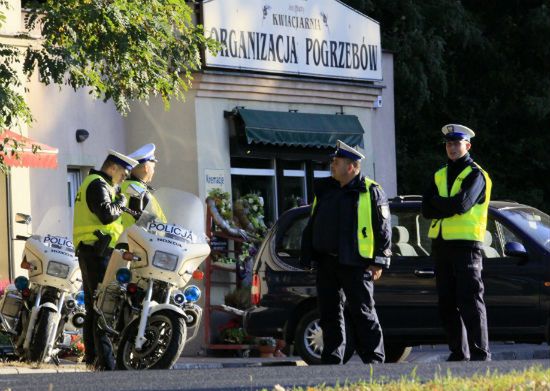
(81, 135)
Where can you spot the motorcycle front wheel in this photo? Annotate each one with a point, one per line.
(165, 333)
(42, 335)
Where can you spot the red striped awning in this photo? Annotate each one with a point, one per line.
(44, 156)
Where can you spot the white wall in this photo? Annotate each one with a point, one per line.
(173, 133)
(58, 113)
(383, 132)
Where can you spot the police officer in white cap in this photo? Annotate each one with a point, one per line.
(142, 175)
(348, 241)
(457, 201)
(96, 229)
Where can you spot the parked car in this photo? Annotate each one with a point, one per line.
(516, 272)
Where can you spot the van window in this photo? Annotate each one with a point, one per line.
(289, 243)
(410, 234)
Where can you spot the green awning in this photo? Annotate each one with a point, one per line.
(300, 129)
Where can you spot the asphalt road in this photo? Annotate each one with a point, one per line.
(251, 378)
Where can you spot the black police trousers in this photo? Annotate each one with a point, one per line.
(97, 345)
(461, 305)
(337, 285)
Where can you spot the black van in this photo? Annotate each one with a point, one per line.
(516, 272)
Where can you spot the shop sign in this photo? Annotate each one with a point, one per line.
(214, 179)
(218, 244)
(306, 37)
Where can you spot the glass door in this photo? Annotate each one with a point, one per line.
(291, 184)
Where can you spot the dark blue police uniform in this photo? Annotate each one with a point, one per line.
(329, 243)
(458, 263)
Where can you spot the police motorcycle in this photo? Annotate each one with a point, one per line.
(145, 301)
(39, 311)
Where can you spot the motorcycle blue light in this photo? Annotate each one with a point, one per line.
(80, 298)
(192, 293)
(123, 275)
(21, 283)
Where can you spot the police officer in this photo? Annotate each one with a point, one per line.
(141, 176)
(458, 201)
(348, 240)
(96, 228)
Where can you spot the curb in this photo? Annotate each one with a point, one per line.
(13, 370)
(195, 365)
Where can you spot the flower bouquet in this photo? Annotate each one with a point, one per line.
(74, 349)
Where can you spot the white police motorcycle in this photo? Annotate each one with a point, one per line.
(144, 301)
(38, 310)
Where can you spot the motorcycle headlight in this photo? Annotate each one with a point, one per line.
(192, 293)
(57, 269)
(165, 261)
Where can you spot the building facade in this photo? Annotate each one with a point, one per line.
(261, 117)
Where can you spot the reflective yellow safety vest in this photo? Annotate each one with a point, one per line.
(468, 226)
(129, 220)
(365, 235)
(85, 222)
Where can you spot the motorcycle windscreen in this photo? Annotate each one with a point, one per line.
(180, 208)
(55, 227)
(57, 221)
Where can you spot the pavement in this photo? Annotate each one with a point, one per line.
(419, 355)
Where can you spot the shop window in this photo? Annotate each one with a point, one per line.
(289, 243)
(291, 184)
(283, 183)
(255, 176)
(321, 169)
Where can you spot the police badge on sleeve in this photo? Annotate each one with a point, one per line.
(385, 211)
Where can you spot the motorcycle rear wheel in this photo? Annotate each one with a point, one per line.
(43, 333)
(166, 334)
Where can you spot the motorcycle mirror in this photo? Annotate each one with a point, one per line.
(22, 218)
(136, 191)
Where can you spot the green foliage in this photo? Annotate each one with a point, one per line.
(223, 203)
(122, 49)
(238, 298)
(233, 335)
(12, 104)
(485, 64)
(253, 205)
(13, 109)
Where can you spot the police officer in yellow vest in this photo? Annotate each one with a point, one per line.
(348, 241)
(141, 176)
(96, 228)
(457, 202)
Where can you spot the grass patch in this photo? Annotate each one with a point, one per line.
(532, 379)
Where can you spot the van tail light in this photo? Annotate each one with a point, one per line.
(255, 290)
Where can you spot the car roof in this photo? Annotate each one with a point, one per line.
(415, 201)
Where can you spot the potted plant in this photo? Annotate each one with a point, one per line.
(238, 298)
(75, 350)
(266, 346)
